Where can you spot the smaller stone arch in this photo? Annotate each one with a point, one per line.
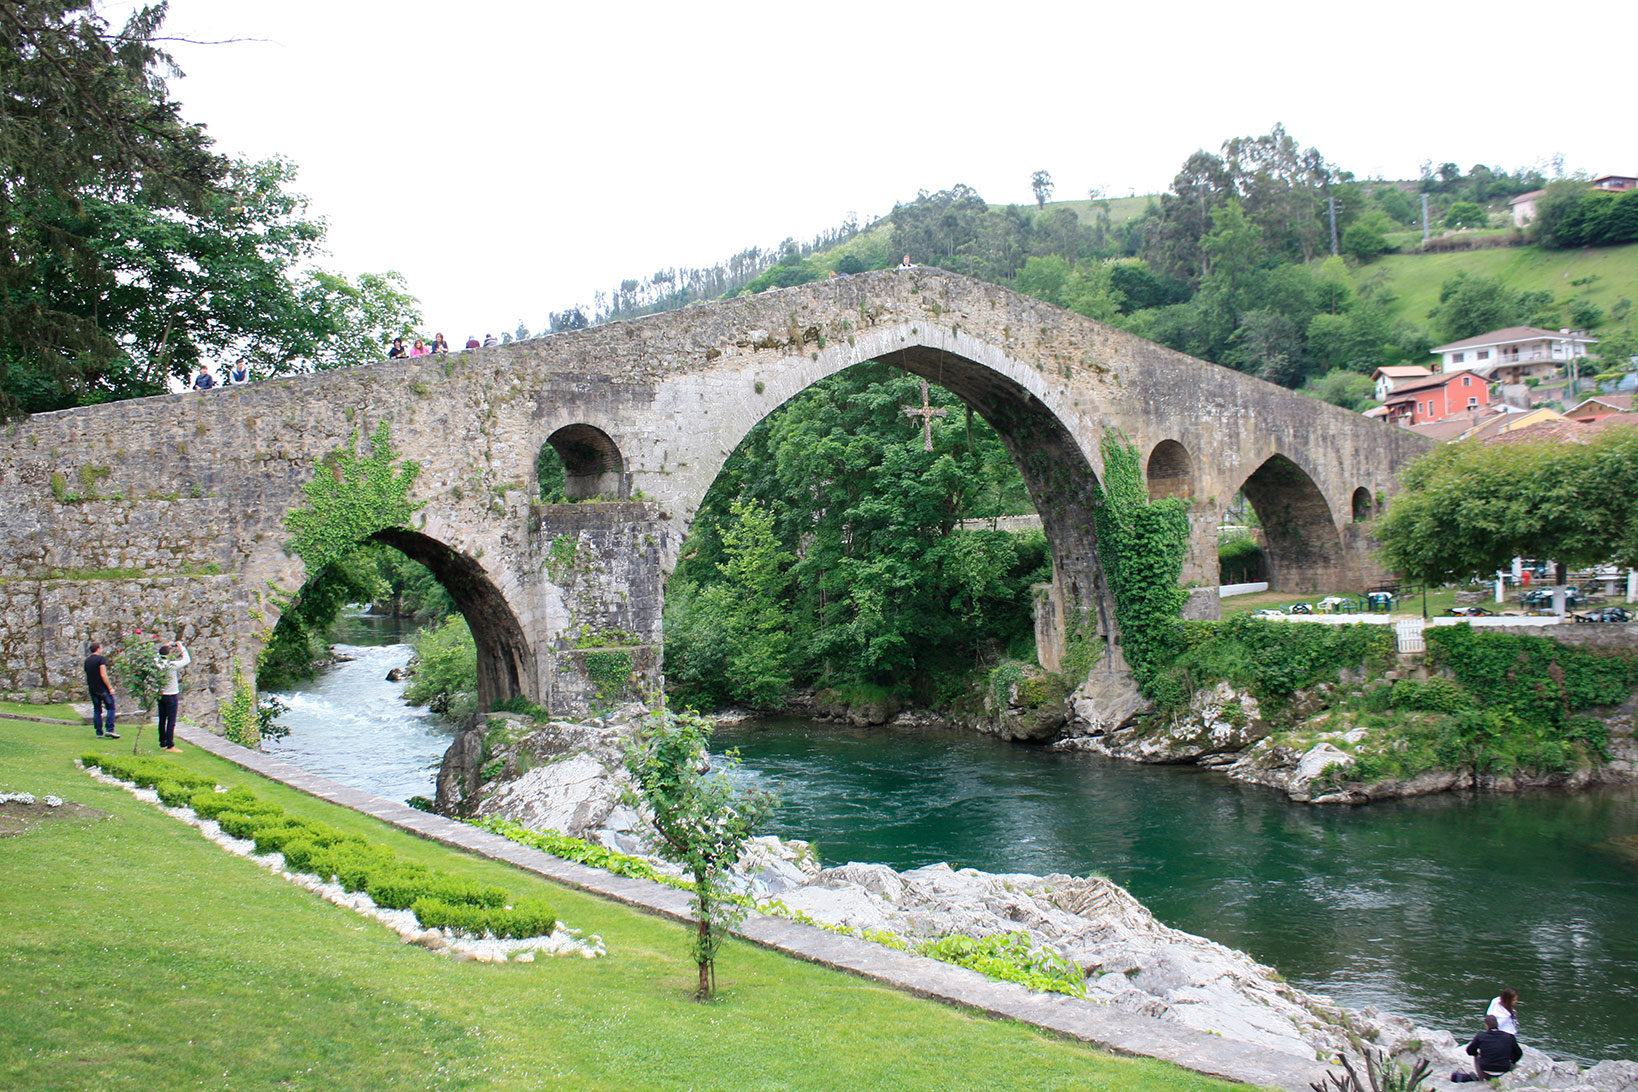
(590, 460)
(1362, 505)
(1171, 471)
(1304, 543)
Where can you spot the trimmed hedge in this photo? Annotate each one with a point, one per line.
(529, 918)
(147, 772)
(438, 901)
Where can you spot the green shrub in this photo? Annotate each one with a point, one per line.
(446, 669)
(578, 849)
(532, 917)
(208, 803)
(398, 889)
(173, 795)
(1012, 958)
(241, 824)
(298, 855)
(275, 836)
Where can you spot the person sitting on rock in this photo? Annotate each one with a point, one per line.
(1494, 1053)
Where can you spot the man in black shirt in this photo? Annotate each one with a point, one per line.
(102, 691)
(1494, 1053)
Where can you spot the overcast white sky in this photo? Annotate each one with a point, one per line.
(511, 158)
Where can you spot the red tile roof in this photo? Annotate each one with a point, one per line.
(1563, 431)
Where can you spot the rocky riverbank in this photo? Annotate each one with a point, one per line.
(1310, 753)
(569, 777)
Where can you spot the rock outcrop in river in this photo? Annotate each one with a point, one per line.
(1224, 729)
(569, 777)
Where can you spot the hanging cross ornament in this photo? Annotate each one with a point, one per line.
(926, 412)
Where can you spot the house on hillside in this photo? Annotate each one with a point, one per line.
(1524, 205)
(1600, 405)
(1514, 354)
(1437, 397)
(1389, 376)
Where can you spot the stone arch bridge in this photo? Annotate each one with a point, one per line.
(168, 512)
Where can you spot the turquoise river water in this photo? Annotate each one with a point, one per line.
(1425, 907)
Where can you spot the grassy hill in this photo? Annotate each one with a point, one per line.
(1603, 275)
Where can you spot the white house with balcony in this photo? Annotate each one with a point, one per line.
(1515, 354)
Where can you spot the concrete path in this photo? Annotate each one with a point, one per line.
(1085, 1020)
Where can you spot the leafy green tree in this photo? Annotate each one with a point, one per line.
(1466, 214)
(1341, 387)
(1041, 183)
(885, 589)
(704, 819)
(445, 677)
(1469, 508)
(1366, 238)
(1471, 305)
(134, 250)
(1396, 205)
(87, 123)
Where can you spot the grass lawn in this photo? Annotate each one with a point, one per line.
(138, 955)
(1415, 278)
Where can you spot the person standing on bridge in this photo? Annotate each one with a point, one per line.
(204, 381)
(172, 658)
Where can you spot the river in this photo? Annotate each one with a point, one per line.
(351, 725)
(1424, 907)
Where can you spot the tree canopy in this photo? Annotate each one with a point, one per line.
(133, 250)
(1472, 508)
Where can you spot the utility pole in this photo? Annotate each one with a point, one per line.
(1575, 367)
(1424, 220)
(1331, 203)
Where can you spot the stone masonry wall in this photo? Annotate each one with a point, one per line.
(203, 480)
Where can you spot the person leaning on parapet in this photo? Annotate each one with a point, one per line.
(1494, 1053)
(397, 349)
(473, 342)
(102, 691)
(204, 381)
(488, 340)
(439, 345)
(172, 658)
(240, 373)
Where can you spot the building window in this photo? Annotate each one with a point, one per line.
(1472, 403)
(1484, 354)
(1457, 358)
(1467, 380)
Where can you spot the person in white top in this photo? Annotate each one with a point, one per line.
(1504, 1010)
(172, 658)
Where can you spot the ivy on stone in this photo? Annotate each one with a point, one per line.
(1141, 544)
(358, 497)
(240, 723)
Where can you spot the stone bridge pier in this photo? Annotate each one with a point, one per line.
(168, 513)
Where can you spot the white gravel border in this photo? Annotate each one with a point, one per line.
(462, 947)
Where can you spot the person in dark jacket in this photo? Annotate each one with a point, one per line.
(102, 691)
(1494, 1053)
